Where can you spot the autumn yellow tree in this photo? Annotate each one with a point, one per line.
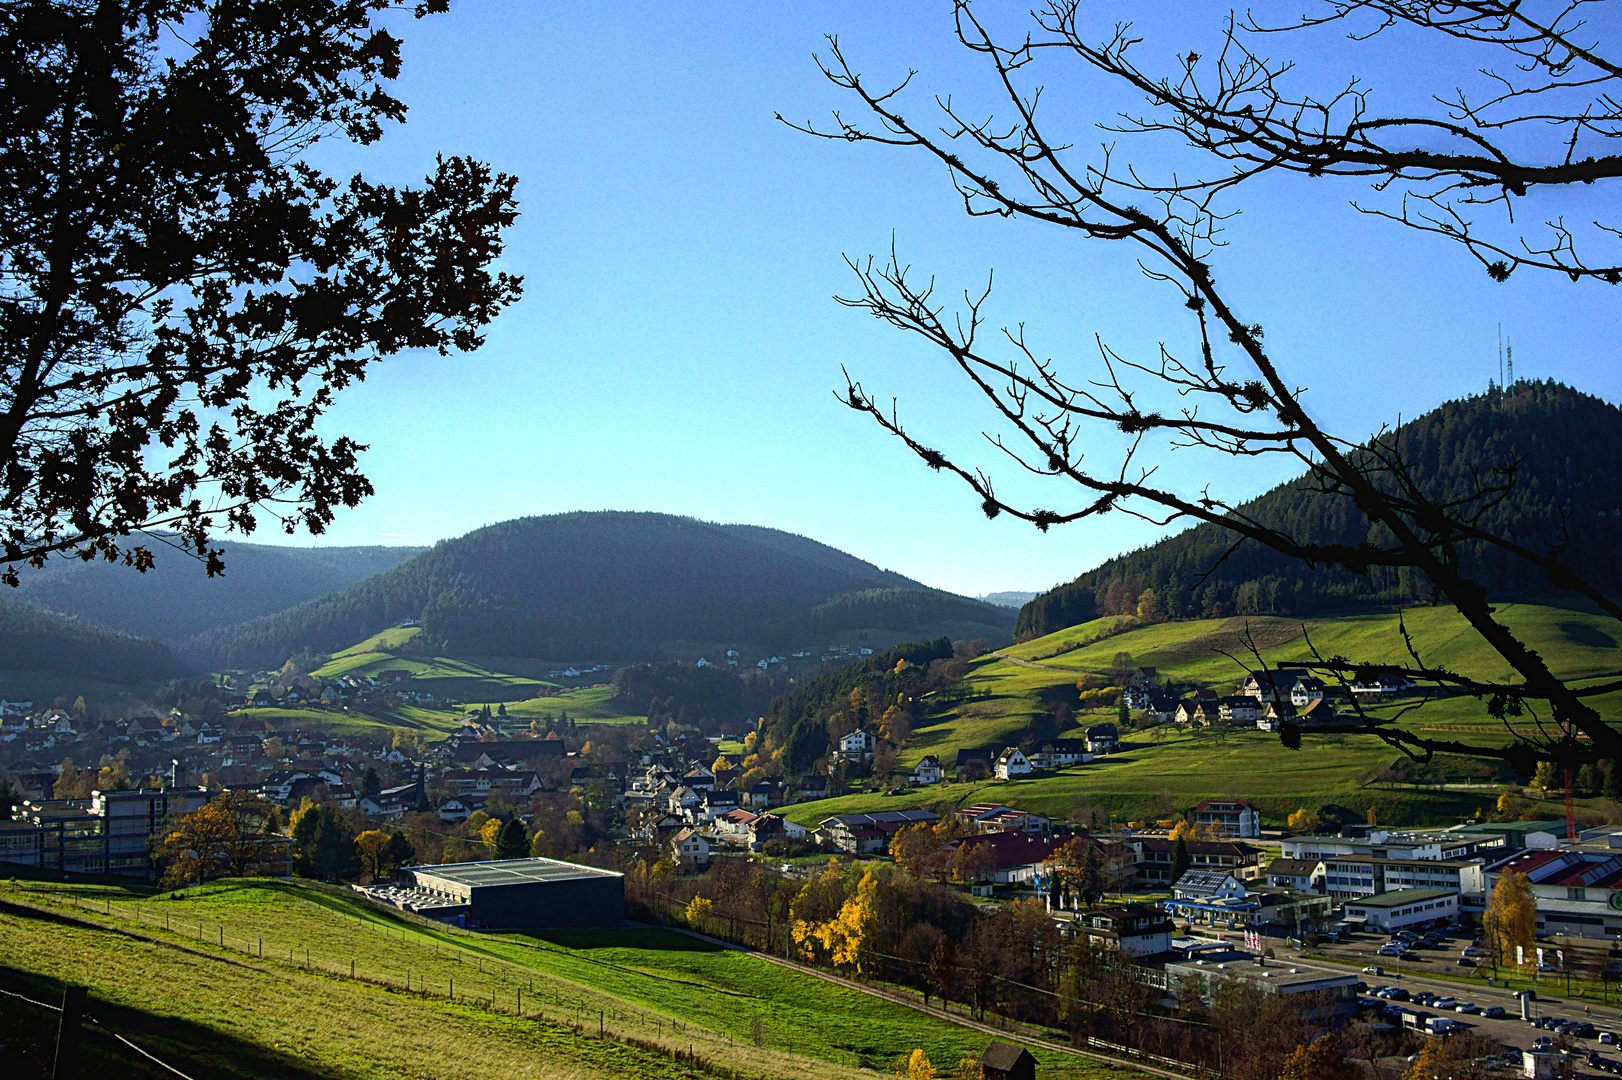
(1304, 821)
(1321, 1059)
(1510, 920)
(370, 845)
(968, 1067)
(1545, 779)
(722, 763)
(698, 910)
(846, 934)
(490, 833)
(911, 846)
(915, 1066)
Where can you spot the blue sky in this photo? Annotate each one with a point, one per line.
(678, 349)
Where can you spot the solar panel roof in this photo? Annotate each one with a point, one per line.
(509, 872)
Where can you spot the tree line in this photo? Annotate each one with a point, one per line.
(1562, 496)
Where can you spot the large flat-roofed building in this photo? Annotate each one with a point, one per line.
(1329, 993)
(509, 894)
(1404, 907)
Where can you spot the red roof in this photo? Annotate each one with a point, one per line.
(1012, 849)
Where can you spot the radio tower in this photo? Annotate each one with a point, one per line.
(1509, 365)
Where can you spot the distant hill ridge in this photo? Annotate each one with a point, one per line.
(1572, 466)
(37, 641)
(177, 600)
(607, 585)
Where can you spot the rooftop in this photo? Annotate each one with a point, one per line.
(508, 872)
(1401, 897)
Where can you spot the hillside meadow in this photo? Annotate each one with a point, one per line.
(1164, 769)
(267, 963)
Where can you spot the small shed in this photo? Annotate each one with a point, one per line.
(999, 1061)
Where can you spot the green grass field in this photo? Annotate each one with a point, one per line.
(258, 988)
(439, 675)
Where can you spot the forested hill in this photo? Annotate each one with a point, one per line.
(176, 599)
(35, 641)
(1572, 465)
(609, 586)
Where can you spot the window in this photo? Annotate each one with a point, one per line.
(1576, 894)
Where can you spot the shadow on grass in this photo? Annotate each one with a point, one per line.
(28, 1041)
(649, 938)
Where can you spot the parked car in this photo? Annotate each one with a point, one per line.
(1465, 962)
(1410, 957)
(1468, 1007)
(1373, 969)
(1493, 1011)
(1607, 1038)
(1471, 950)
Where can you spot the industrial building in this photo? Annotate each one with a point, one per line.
(509, 894)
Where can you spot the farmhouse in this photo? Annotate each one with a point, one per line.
(508, 894)
(857, 745)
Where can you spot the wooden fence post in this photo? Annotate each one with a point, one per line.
(67, 1035)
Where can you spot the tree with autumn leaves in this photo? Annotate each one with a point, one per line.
(1510, 921)
(234, 835)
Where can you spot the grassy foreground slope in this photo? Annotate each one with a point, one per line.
(281, 981)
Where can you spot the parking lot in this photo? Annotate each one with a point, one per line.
(1469, 988)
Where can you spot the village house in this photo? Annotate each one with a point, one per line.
(1272, 685)
(857, 746)
(1155, 856)
(1302, 875)
(1016, 858)
(1239, 711)
(1010, 764)
(1131, 929)
(1231, 817)
(689, 849)
(1306, 689)
(995, 817)
(1058, 753)
(1103, 739)
(927, 771)
(1197, 712)
(867, 834)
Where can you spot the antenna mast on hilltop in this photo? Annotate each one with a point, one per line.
(1509, 364)
(1500, 356)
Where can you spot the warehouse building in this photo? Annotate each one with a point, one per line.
(509, 894)
(1402, 908)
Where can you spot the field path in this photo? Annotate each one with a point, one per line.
(942, 1014)
(1022, 663)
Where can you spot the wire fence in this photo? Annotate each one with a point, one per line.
(64, 1064)
(496, 985)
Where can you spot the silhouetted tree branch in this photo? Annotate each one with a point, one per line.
(1238, 399)
(181, 292)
